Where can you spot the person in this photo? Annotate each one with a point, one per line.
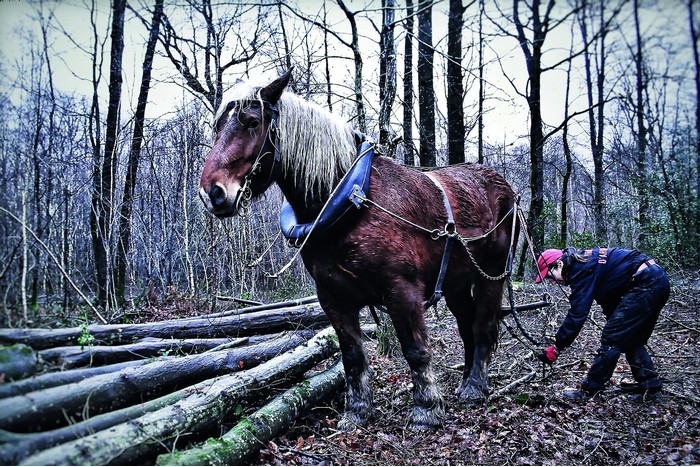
(631, 288)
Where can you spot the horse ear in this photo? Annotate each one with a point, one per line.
(272, 92)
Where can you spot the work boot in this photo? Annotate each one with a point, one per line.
(581, 395)
(649, 396)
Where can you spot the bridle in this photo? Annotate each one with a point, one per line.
(245, 193)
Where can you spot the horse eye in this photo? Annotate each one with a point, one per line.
(253, 123)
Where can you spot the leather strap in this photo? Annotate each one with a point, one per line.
(450, 231)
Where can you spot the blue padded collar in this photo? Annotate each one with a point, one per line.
(345, 198)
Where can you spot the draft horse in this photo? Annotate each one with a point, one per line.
(390, 253)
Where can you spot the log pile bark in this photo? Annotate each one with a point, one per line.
(143, 389)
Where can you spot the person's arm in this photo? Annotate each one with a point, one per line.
(581, 298)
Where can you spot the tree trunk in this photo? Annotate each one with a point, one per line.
(426, 89)
(387, 74)
(124, 245)
(311, 299)
(17, 362)
(455, 89)
(641, 134)
(532, 50)
(408, 157)
(111, 334)
(77, 356)
(47, 409)
(104, 183)
(480, 156)
(596, 119)
(19, 446)
(128, 443)
(50, 380)
(246, 438)
(357, 55)
(564, 225)
(695, 39)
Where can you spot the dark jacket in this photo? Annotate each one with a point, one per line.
(604, 280)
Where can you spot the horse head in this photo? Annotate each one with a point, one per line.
(244, 159)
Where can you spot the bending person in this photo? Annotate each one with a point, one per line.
(632, 289)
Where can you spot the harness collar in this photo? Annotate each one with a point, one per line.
(347, 196)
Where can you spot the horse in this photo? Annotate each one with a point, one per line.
(391, 251)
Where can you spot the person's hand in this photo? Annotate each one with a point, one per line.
(548, 355)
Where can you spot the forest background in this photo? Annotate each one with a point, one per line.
(589, 108)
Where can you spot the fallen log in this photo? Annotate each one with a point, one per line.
(269, 321)
(50, 380)
(77, 356)
(17, 446)
(507, 310)
(130, 442)
(16, 362)
(269, 306)
(49, 408)
(246, 438)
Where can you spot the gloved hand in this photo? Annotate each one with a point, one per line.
(548, 355)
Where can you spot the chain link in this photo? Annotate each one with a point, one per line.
(435, 234)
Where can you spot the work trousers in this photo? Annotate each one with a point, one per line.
(628, 329)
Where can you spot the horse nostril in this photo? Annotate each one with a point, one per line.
(218, 196)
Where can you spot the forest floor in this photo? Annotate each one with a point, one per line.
(530, 423)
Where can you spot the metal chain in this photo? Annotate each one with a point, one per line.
(465, 242)
(437, 233)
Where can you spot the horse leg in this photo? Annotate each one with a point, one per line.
(461, 304)
(487, 302)
(407, 318)
(358, 400)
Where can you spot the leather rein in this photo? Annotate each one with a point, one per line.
(245, 193)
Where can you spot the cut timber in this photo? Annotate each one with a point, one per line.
(17, 446)
(77, 356)
(270, 306)
(50, 380)
(48, 408)
(246, 438)
(16, 362)
(261, 322)
(129, 443)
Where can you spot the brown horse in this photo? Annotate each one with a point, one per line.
(386, 255)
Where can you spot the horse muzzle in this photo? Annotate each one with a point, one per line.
(219, 200)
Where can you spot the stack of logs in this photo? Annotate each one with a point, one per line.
(132, 392)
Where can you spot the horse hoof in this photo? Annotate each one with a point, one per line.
(471, 395)
(350, 421)
(424, 419)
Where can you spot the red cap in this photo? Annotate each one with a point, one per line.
(546, 259)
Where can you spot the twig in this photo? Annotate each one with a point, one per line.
(679, 323)
(510, 386)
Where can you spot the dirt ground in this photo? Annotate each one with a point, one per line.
(527, 422)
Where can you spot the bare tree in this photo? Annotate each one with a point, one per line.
(426, 89)
(695, 44)
(595, 79)
(456, 133)
(201, 61)
(124, 245)
(408, 157)
(103, 183)
(387, 72)
(480, 116)
(641, 130)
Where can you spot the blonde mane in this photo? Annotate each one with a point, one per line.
(315, 145)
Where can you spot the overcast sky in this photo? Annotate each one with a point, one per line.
(506, 121)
